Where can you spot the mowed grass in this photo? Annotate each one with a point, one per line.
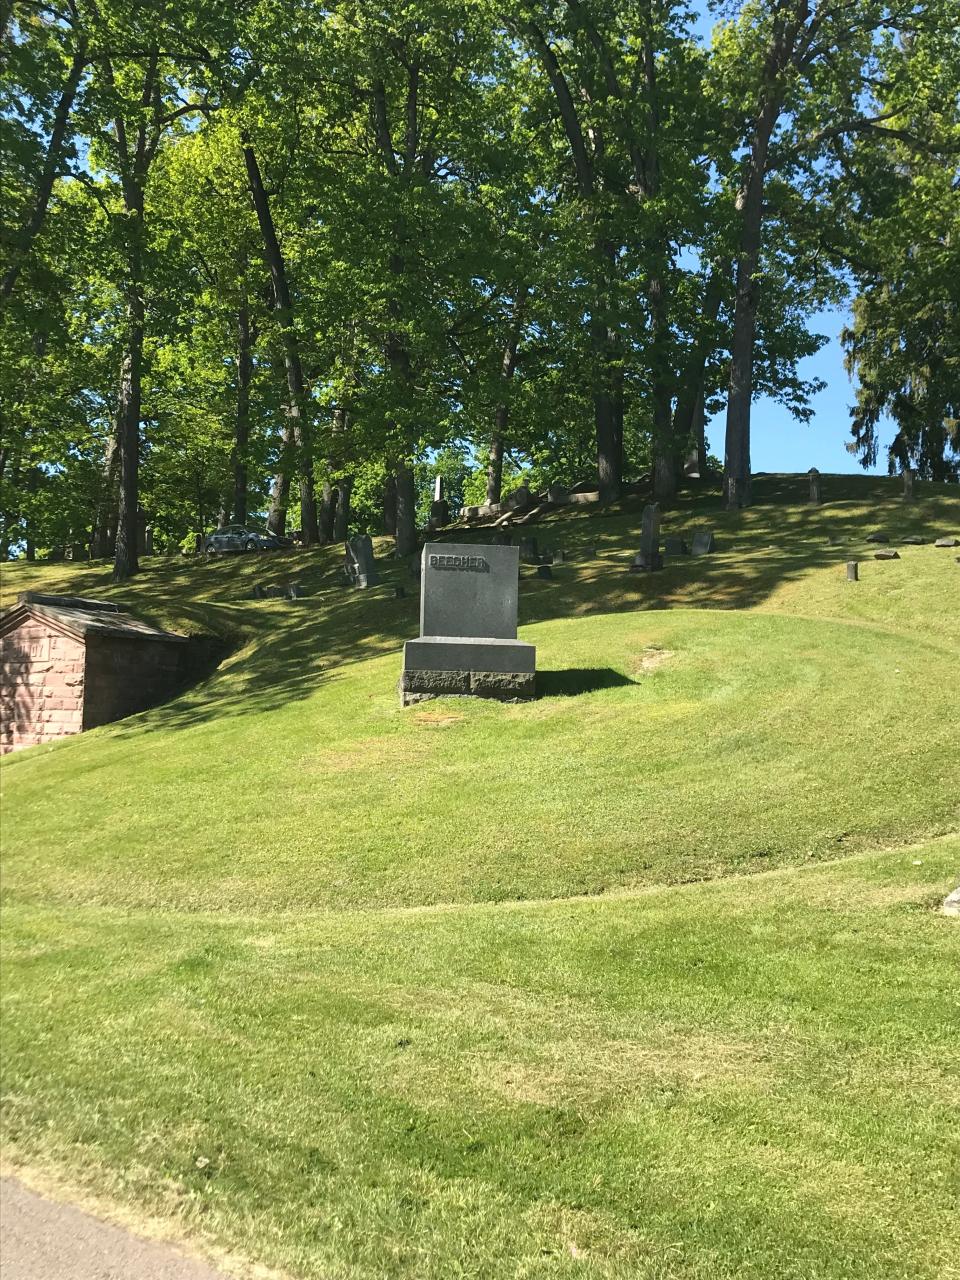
(751, 1078)
(355, 991)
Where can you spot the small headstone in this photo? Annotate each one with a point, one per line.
(876, 537)
(558, 555)
(908, 477)
(557, 495)
(703, 542)
(947, 542)
(886, 555)
(648, 558)
(528, 551)
(816, 489)
(853, 571)
(544, 571)
(148, 540)
(673, 545)
(439, 513)
(914, 540)
(519, 500)
(358, 561)
(276, 591)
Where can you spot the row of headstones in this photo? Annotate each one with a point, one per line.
(816, 485)
(359, 567)
(912, 540)
(650, 558)
(81, 550)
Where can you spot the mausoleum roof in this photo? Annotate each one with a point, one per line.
(83, 618)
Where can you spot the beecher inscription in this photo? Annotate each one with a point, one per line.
(475, 563)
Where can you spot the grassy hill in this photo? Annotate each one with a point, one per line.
(357, 991)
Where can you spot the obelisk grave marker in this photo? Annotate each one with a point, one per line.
(468, 626)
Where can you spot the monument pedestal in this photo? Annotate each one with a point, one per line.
(437, 666)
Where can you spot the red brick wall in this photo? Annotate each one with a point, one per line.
(126, 676)
(41, 686)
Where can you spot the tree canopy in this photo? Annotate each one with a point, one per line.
(284, 262)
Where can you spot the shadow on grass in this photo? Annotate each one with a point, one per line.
(573, 680)
(283, 651)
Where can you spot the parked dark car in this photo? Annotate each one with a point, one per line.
(237, 537)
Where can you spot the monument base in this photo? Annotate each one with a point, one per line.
(444, 666)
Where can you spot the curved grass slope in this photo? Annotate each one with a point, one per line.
(672, 743)
(754, 1078)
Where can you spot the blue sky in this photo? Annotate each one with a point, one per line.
(778, 441)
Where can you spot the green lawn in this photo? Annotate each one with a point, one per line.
(429, 992)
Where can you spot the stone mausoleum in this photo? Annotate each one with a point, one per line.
(68, 664)
(468, 626)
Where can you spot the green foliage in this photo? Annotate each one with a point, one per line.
(434, 215)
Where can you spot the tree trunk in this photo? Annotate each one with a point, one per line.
(241, 439)
(125, 560)
(501, 418)
(51, 165)
(495, 457)
(341, 522)
(688, 417)
(406, 511)
(608, 391)
(736, 461)
(327, 512)
(297, 406)
(101, 545)
(390, 506)
(280, 488)
(666, 460)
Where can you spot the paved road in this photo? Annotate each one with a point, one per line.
(43, 1240)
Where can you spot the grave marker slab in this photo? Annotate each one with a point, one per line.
(358, 561)
(703, 542)
(648, 558)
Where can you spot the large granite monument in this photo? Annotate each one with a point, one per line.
(468, 626)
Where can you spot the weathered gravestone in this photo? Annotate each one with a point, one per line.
(439, 508)
(876, 537)
(947, 542)
(520, 500)
(648, 558)
(816, 488)
(674, 545)
(853, 571)
(358, 562)
(886, 555)
(703, 542)
(528, 551)
(468, 626)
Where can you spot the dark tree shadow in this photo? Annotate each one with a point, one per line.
(570, 681)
